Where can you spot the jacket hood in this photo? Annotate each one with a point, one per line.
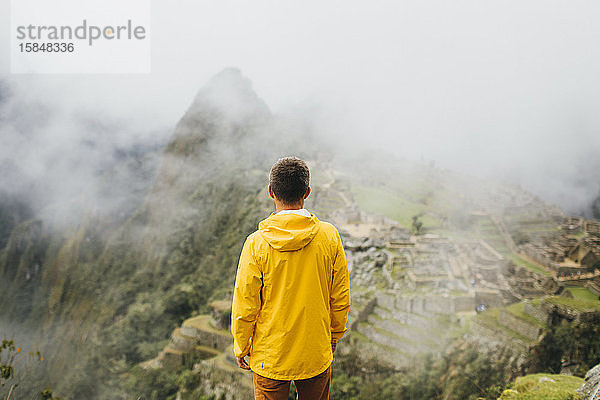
(289, 232)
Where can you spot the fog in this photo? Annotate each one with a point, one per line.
(506, 90)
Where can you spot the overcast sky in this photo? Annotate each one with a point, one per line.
(509, 89)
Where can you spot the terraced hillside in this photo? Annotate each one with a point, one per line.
(137, 306)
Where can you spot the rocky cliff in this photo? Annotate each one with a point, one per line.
(591, 389)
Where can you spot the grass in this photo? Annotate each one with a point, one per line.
(204, 352)
(392, 335)
(376, 317)
(390, 349)
(490, 319)
(518, 310)
(527, 264)
(530, 388)
(487, 230)
(359, 336)
(575, 304)
(384, 308)
(582, 293)
(380, 201)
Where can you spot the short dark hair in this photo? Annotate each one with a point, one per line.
(289, 179)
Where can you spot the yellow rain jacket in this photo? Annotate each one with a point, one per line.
(291, 297)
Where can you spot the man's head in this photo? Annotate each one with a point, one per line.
(289, 181)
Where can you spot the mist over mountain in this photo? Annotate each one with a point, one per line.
(48, 134)
(136, 240)
(118, 252)
(62, 164)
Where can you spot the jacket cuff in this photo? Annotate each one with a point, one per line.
(238, 351)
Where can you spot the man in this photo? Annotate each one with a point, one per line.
(292, 293)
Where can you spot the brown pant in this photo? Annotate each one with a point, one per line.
(315, 388)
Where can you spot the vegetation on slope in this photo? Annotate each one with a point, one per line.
(462, 372)
(105, 313)
(568, 344)
(104, 296)
(380, 201)
(543, 387)
(583, 293)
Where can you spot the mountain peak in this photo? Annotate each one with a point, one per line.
(228, 76)
(230, 94)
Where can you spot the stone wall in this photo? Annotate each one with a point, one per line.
(363, 315)
(536, 312)
(427, 304)
(593, 287)
(214, 340)
(464, 303)
(404, 332)
(492, 253)
(201, 353)
(206, 338)
(591, 389)
(482, 331)
(221, 314)
(439, 304)
(389, 339)
(538, 256)
(171, 359)
(489, 273)
(568, 314)
(491, 299)
(592, 227)
(518, 325)
(567, 270)
(386, 300)
(402, 317)
(181, 342)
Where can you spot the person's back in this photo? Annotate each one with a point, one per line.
(292, 295)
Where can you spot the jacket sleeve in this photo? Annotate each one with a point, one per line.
(246, 301)
(340, 293)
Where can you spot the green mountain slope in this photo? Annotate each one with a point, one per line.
(104, 296)
(98, 298)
